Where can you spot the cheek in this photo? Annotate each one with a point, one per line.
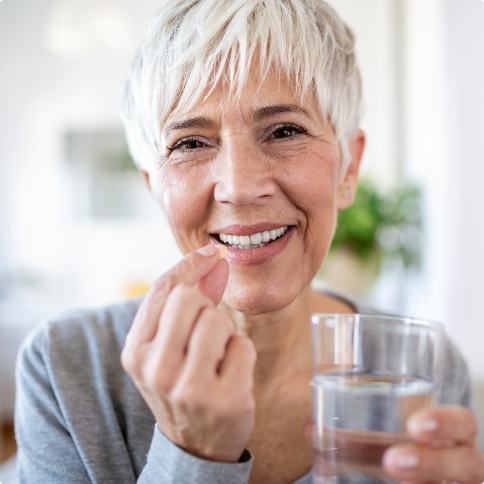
(184, 195)
(313, 186)
(314, 190)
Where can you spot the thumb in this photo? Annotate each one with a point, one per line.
(214, 283)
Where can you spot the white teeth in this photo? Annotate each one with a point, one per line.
(244, 240)
(253, 241)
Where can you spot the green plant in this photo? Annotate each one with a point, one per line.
(382, 225)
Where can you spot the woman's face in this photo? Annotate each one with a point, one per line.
(265, 165)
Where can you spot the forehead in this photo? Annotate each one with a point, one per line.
(257, 99)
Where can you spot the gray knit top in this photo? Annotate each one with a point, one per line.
(80, 419)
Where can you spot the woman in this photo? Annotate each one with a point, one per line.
(243, 119)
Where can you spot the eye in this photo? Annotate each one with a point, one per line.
(285, 131)
(188, 144)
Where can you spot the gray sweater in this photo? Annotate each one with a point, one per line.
(80, 419)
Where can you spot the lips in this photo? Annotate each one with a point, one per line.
(252, 241)
(243, 253)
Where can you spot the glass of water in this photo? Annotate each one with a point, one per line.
(369, 374)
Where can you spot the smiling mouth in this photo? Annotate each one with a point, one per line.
(253, 241)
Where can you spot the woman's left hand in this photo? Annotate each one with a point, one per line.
(445, 448)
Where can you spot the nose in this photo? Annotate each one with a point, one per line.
(243, 175)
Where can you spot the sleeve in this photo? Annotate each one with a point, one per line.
(168, 464)
(46, 450)
(456, 388)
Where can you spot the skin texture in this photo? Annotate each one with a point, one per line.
(221, 350)
(242, 176)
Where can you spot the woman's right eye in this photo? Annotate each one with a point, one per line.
(188, 144)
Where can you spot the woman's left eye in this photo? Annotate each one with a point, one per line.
(191, 144)
(285, 132)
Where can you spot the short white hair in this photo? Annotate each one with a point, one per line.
(191, 45)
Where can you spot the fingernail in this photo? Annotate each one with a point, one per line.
(223, 251)
(400, 458)
(209, 250)
(418, 425)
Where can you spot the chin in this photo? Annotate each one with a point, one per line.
(260, 298)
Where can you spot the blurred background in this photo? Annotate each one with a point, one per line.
(78, 227)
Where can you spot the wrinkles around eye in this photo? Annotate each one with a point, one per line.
(190, 143)
(279, 131)
(282, 131)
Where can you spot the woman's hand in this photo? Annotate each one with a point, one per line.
(445, 448)
(193, 371)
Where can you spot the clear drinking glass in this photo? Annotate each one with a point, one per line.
(369, 374)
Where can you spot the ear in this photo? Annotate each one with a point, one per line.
(345, 193)
(146, 177)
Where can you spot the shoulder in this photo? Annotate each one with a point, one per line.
(74, 395)
(456, 381)
(109, 322)
(75, 357)
(80, 335)
(455, 388)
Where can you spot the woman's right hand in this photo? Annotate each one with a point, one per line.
(193, 371)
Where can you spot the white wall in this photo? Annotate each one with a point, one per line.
(465, 48)
(375, 25)
(42, 95)
(464, 22)
(427, 157)
(437, 71)
(444, 119)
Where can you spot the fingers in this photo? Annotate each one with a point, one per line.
(208, 342)
(450, 423)
(447, 450)
(462, 463)
(183, 307)
(238, 365)
(214, 283)
(218, 362)
(190, 270)
(237, 376)
(178, 351)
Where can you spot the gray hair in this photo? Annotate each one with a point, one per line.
(191, 45)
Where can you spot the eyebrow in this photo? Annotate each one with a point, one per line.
(198, 122)
(258, 115)
(271, 111)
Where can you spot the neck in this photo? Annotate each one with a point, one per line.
(282, 338)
